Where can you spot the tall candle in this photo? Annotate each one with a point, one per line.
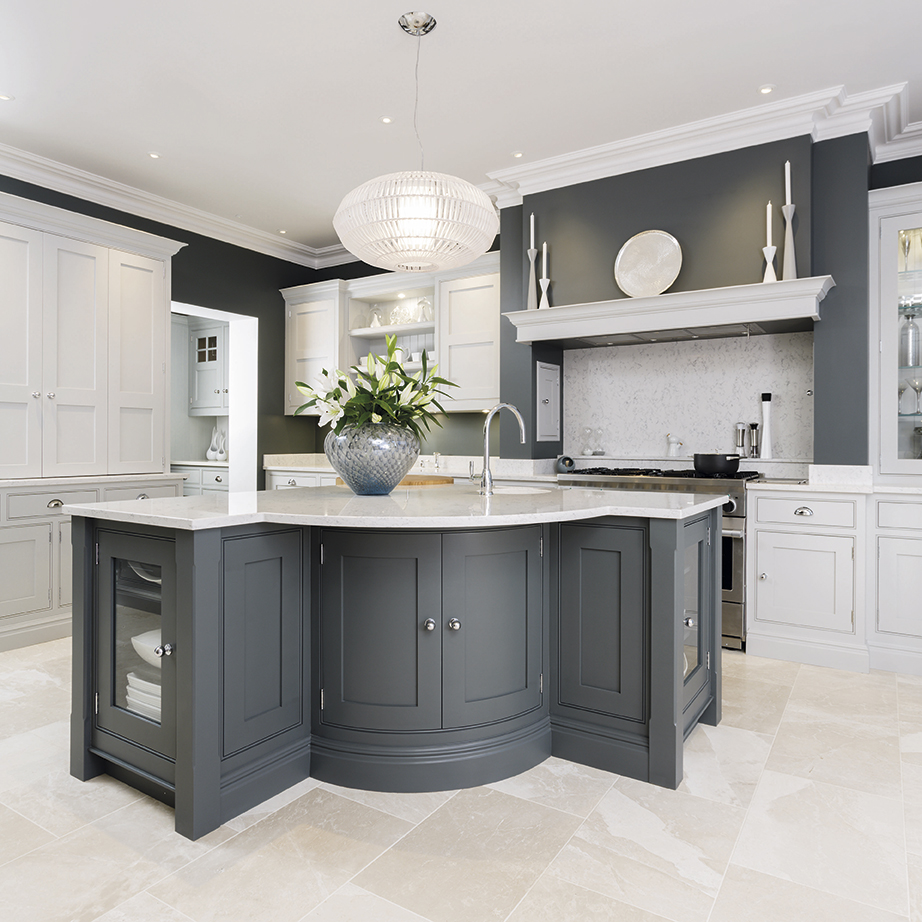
(531, 245)
(544, 262)
(787, 182)
(768, 224)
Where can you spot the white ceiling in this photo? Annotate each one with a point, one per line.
(266, 114)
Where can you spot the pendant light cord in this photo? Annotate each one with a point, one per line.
(422, 157)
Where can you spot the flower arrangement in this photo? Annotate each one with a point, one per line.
(382, 392)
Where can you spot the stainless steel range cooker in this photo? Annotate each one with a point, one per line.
(733, 523)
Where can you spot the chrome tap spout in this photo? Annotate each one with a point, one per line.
(486, 478)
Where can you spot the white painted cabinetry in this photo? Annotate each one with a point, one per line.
(805, 581)
(208, 369)
(203, 478)
(286, 480)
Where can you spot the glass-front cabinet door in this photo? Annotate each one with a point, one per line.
(900, 293)
(697, 614)
(135, 643)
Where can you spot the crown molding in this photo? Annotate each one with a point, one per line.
(50, 174)
(825, 114)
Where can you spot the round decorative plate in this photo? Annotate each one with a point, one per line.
(648, 263)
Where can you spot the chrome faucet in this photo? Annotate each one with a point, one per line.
(486, 478)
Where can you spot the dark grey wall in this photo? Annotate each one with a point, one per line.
(840, 339)
(895, 173)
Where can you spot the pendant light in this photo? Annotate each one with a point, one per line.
(416, 221)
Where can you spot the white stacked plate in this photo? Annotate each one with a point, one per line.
(143, 696)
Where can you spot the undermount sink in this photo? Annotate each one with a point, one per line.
(522, 491)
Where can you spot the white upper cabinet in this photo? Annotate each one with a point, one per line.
(208, 369)
(83, 355)
(21, 396)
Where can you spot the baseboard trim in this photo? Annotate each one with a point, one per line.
(593, 746)
(810, 653)
(888, 659)
(25, 635)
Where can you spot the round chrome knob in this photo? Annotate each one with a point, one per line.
(51, 395)
(55, 504)
(143, 496)
(763, 576)
(36, 393)
(429, 624)
(292, 482)
(164, 650)
(689, 622)
(454, 625)
(218, 479)
(217, 390)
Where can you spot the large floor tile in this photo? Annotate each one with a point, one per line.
(754, 705)
(912, 806)
(473, 859)
(413, 808)
(353, 904)
(848, 695)
(758, 668)
(268, 807)
(748, 896)
(915, 888)
(724, 763)
(143, 908)
(560, 784)
(554, 900)
(857, 753)
(284, 866)
(659, 850)
(85, 874)
(18, 836)
(25, 757)
(60, 803)
(835, 839)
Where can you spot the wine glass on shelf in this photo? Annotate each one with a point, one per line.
(916, 385)
(902, 387)
(905, 243)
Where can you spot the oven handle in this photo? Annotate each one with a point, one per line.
(728, 533)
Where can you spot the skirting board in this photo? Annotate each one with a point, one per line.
(24, 635)
(888, 659)
(851, 659)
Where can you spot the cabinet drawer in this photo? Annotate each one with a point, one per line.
(281, 481)
(193, 475)
(139, 491)
(215, 479)
(899, 515)
(29, 505)
(807, 512)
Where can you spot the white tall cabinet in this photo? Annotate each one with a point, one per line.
(83, 387)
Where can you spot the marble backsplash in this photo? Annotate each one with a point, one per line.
(696, 390)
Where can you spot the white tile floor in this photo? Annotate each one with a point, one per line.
(804, 804)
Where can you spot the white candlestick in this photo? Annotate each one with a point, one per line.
(768, 224)
(544, 261)
(531, 245)
(787, 182)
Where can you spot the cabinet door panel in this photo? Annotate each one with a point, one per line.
(74, 367)
(805, 580)
(138, 321)
(601, 635)
(25, 568)
(311, 346)
(65, 565)
(263, 650)
(207, 370)
(381, 668)
(21, 352)
(492, 663)
(899, 586)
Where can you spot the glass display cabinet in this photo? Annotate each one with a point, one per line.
(896, 287)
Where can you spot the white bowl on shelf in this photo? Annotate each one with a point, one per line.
(144, 685)
(144, 645)
(145, 710)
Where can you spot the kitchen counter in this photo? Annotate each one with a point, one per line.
(54, 482)
(455, 506)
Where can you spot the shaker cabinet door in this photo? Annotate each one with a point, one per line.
(380, 664)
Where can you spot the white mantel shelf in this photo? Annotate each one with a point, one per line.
(694, 311)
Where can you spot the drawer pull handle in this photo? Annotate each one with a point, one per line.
(165, 650)
(217, 478)
(56, 504)
(143, 496)
(292, 482)
(803, 510)
(454, 625)
(429, 624)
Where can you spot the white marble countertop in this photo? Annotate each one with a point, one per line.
(53, 482)
(453, 506)
(200, 463)
(798, 486)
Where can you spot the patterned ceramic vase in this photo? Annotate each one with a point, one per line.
(372, 459)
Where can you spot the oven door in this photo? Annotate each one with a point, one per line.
(733, 576)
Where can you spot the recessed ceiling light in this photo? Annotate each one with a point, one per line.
(386, 119)
(766, 88)
(5, 98)
(282, 231)
(153, 155)
(400, 294)
(517, 153)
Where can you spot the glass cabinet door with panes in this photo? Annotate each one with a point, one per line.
(896, 307)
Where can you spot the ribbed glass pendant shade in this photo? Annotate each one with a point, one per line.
(416, 221)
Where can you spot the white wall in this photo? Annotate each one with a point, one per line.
(697, 390)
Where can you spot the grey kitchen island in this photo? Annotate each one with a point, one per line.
(228, 646)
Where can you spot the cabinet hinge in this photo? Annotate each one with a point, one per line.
(321, 699)
(709, 535)
(321, 555)
(97, 553)
(707, 661)
(541, 546)
(96, 703)
(541, 683)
